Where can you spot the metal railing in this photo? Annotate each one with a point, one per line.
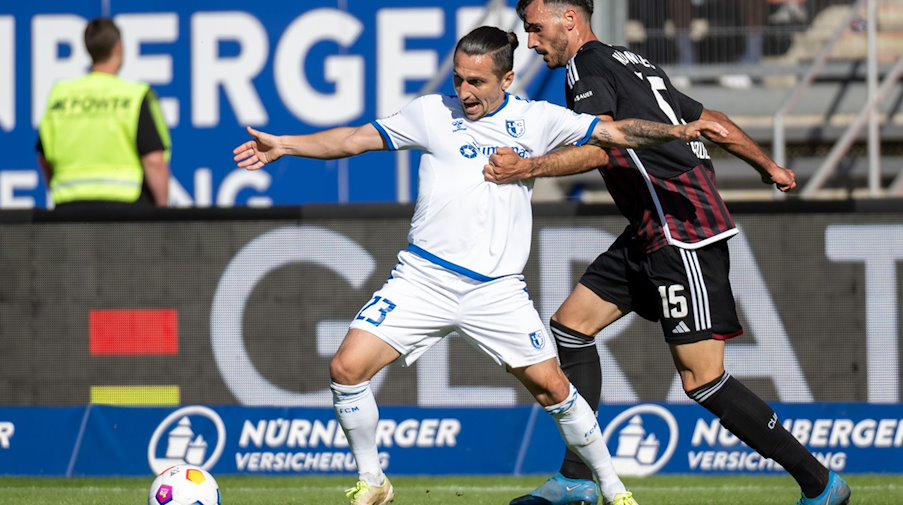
(793, 99)
(869, 116)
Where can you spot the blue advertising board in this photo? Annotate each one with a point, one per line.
(274, 441)
(221, 65)
(36, 441)
(644, 439)
(648, 439)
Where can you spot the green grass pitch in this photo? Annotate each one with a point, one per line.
(670, 490)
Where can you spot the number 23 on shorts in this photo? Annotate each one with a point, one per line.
(375, 311)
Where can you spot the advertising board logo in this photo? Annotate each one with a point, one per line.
(186, 436)
(7, 429)
(646, 438)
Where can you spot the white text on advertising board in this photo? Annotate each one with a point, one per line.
(278, 436)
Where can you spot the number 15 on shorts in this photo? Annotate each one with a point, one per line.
(674, 303)
(375, 311)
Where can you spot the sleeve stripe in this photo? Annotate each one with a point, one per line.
(589, 132)
(385, 135)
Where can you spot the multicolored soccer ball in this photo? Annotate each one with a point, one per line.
(184, 485)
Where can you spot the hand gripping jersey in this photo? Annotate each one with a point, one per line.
(667, 191)
(462, 222)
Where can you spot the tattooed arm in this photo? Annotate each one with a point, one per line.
(506, 166)
(641, 133)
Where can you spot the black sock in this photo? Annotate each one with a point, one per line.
(580, 362)
(749, 418)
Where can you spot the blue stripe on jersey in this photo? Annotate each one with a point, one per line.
(500, 108)
(384, 135)
(589, 133)
(448, 265)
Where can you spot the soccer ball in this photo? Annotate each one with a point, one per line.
(184, 485)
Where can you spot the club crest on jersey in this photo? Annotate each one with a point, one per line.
(537, 339)
(515, 127)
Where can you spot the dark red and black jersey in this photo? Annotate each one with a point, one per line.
(668, 191)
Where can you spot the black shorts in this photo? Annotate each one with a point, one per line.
(687, 290)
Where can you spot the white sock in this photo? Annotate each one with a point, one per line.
(356, 409)
(582, 434)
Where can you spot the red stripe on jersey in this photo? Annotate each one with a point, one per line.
(704, 228)
(723, 219)
(681, 218)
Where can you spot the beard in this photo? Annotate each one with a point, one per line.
(558, 51)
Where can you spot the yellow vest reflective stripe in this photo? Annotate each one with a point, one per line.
(89, 137)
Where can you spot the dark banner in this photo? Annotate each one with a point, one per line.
(249, 312)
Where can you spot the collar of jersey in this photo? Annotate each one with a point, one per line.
(507, 95)
(101, 75)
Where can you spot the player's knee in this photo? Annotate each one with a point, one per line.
(693, 380)
(550, 390)
(570, 334)
(557, 321)
(341, 373)
(556, 391)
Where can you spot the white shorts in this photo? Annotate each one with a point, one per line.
(423, 302)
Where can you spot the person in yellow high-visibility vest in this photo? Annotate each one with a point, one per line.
(103, 140)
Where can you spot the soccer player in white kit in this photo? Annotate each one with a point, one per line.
(468, 244)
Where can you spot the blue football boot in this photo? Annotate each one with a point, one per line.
(560, 490)
(837, 493)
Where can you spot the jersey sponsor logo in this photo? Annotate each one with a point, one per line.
(585, 94)
(515, 127)
(699, 150)
(646, 439)
(458, 125)
(468, 151)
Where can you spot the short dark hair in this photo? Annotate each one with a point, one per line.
(491, 40)
(101, 36)
(585, 5)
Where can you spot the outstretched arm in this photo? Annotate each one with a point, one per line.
(738, 143)
(642, 133)
(331, 144)
(506, 166)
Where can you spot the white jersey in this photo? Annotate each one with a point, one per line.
(462, 222)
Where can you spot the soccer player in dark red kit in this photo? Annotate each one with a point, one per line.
(671, 263)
